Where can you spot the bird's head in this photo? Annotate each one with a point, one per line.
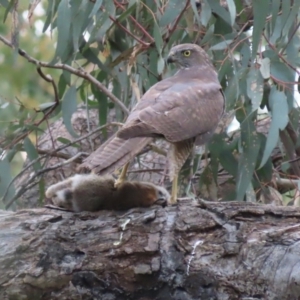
(188, 55)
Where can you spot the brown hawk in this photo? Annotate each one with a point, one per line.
(183, 109)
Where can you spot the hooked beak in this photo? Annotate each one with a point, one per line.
(171, 58)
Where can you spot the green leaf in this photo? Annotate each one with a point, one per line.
(265, 68)
(250, 148)
(220, 150)
(207, 183)
(195, 10)
(46, 106)
(41, 190)
(264, 174)
(294, 118)
(205, 14)
(63, 27)
(126, 13)
(96, 7)
(6, 178)
(51, 10)
(282, 72)
(62, 84)
(245, 55)
(220, 10)
(232, 92)
(79, 17)
(276, 35)
(157, 37)
(292, 51)
(69, 106)
(102, 101)
(260, 12)
(63, 140)
(100, 27)
(222, 45)
(4, 3)
(92, 57)
(160, 65)
(294, 11)
(232, 11)
(32, 153)
(279, 108)
(250, 194)
(8, 8)
(172, 11)
(255, 87)
(275, 11)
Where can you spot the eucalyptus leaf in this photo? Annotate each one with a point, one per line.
(232, 11)
(160, 65)
(157, 37)
(218, 9)
(255, 88)
(96, 7)
(265, 68)
(51, 10)
(260, 11)
(63, 26)
(221, 46)
(32, 153)
(172, 11)
(250, 143)
(69, 106)
(5, 179)
(279, 109)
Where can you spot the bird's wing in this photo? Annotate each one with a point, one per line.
(185, 109)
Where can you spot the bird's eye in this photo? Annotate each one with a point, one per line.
(187, 53)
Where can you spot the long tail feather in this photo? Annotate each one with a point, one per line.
(113, 154)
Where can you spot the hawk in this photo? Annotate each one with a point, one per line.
(183, 109)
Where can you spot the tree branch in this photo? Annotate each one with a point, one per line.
(78, 72)
(46, 155)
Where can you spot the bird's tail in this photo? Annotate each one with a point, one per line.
(113, 154)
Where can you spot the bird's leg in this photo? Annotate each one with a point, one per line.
(173, 199)
(122, 176)
(178, 154)
(194, 164)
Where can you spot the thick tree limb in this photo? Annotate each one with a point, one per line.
(197, 250)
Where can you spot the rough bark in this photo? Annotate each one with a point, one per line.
(196, 250)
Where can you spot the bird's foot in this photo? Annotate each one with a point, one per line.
(173, 200)
(118, 182)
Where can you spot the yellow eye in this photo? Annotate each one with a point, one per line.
(187, 53)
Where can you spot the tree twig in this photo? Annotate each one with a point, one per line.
(23, 188)
(78, 72)
(138, 25)
(55, 151)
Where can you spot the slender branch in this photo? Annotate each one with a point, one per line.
(50, 79)
(54, 151)
(60, 154)
(145, 170)
(178, 18)
(290, 37)
(140, 27)
(281, 56)
(46, 114)
(78, 72)
(146, 45)
(24, 187)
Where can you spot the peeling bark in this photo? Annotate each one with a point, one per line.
(196, 250)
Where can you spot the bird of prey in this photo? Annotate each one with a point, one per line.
(183, 109)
